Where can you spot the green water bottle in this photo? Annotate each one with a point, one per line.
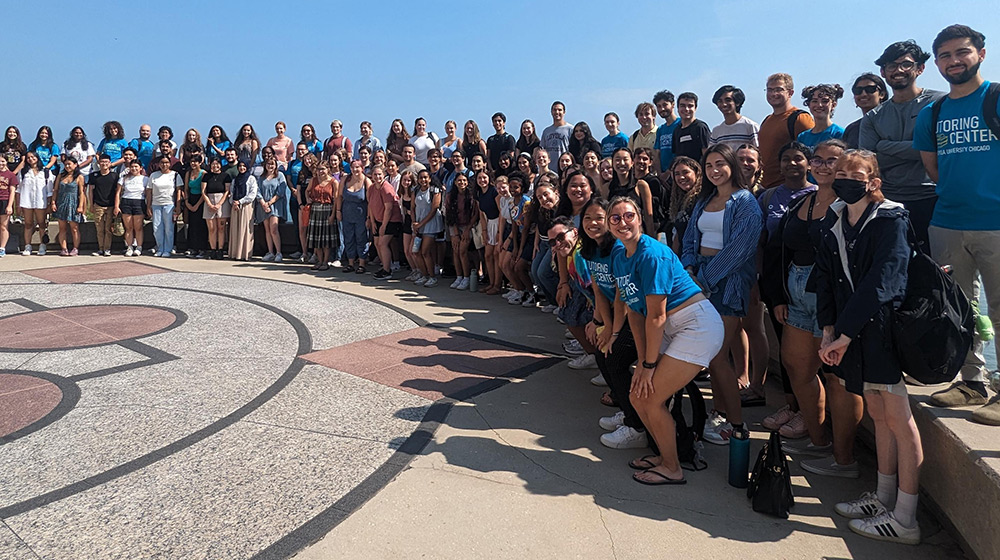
(983, 324)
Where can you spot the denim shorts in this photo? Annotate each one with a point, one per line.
(693, 334)
(132, 206)
(801, 304)
(577, 311)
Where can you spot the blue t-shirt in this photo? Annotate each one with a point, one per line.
(212, 155)
(653, 269)
(599, 270)
(665, 143)
(46, 153)
(145, 150)
(316, 148)
(293, 172)
(612, 143)
(968, 156)
(810, 138)
(113, 148)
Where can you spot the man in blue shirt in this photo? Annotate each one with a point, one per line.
(664, 101)
(962, 155)
(143, 146)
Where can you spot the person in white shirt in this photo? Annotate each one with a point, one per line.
(735, 129)
(422, 141)
(132, 202)
(164, 186)
(81, 149)
(34, 197)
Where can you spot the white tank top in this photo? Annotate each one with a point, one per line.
(710, 226)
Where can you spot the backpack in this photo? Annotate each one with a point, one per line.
(689, 445)
(790, 122)
(989, 110)
(932, 327)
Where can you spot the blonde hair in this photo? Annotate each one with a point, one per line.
(785, 79)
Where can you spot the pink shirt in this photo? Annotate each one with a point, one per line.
(283, 149)
(384, 195)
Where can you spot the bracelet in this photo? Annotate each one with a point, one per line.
(597, 323)
(650, 365)
(615, 334)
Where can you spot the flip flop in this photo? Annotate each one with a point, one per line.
(634, 463)
(606, 399)
(666, 480)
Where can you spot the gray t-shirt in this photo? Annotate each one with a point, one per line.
(555, 141)
(887, 130)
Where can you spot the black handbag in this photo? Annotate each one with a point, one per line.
(770, 486)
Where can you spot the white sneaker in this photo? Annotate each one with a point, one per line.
(278, 258)
(625, 438)
(393, 268)
(513, 295)
(516, 299)
(569, 334)
(41, 249)
(463, 283)
(433, 281)
(866, 506)
(454, 285)
(573, 348)
(336, 264)
(884, 527)
(586, 361)
(413, 275)
(268, 257)
(420, 280)
(806, 447)
(295, 255)
(97, 253)
(128, 252)
(828, 466)
(598, 380)
(312, 259)
(27, 250)
(719, 435)
(611, 423)
(529, 301)
(549, 308)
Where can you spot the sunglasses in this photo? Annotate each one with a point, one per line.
(627, 217)
(559, 239)
(870, 90)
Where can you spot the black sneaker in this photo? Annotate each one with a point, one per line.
(382, 274)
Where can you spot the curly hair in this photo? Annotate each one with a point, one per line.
(835, 91)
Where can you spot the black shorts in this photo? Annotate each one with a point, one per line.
(392, 228)
(133, 206)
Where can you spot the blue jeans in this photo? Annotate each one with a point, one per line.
(355, 240)
(542, 274)
(163, 228)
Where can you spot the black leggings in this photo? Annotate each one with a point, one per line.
(617, 371)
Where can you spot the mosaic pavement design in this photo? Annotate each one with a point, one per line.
(154, 414)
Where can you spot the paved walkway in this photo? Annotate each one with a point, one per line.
(170, 408)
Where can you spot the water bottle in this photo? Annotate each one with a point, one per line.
(983, 324)
(417, 240)
(474, 281)
(662, 237)
(739, 458)
(993, 380)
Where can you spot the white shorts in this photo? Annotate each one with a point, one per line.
(493, 231)
(693, 334)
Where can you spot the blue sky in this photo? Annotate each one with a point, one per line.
(194, 64)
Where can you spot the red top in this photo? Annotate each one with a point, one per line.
(321, 193)
(381, 196)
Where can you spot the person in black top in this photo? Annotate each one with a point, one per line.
(215, 195)
(691, 137)
(101, 200)
(582, 141)
(529, 139)
(499, 143)
(869, 91)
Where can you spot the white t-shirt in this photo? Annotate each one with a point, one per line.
(422, 145)
(743, 131)
(164, 185)
(35, 189)
(81, 154)
(133, 186)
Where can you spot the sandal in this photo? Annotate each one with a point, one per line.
(750, 397)
(360, 270)
(608, 400)
(347, 268)
(642, 463)
(323, 267)
(666, 479)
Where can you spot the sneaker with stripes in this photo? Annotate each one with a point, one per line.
(884, 527)
(865, 506)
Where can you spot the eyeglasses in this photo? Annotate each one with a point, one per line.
(820, 162)
(627, 217)
(775, 89)
(870, 90)
(559, 239)
(905, 66)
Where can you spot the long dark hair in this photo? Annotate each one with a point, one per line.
(222, 134)
(36, 142)
(615, 187)
(451, 212)
(84, 143)
(589, 248)
(17, 145)
(523, 142)
(735, 174)
(76, 171)
(240, 138)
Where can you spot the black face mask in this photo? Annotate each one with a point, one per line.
(850, 190)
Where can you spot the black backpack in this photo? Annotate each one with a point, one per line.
(932, 327)
(789, 122)
(989, 110)
(689, 445)
(770, 487)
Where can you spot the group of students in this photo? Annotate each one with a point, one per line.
(664, 249)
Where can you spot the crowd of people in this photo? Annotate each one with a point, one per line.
(663, 250)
